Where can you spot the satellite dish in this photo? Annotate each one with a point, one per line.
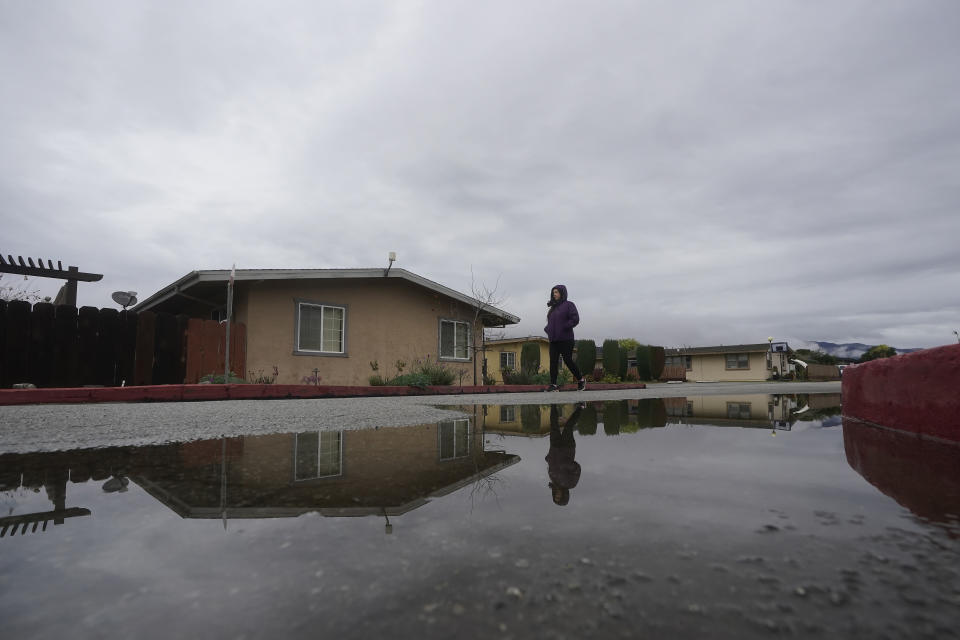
(124, 298)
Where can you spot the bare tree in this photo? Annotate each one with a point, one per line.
(486, 298)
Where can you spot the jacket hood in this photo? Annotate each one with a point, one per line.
(563, 294)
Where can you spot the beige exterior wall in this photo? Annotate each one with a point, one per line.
(750, 407)
(713, 368)
(386, 320)
(513, 346)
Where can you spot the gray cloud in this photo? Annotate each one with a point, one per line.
(696, 174)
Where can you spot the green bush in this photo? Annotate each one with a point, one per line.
(586, 356)
(643, 362)
(511, 376)
(614, 416)
(563, 377)
(424, 374)
(587, 423)
(530, 418)
(611, 357)
(530, 357)
(622, 369)
(658, 359)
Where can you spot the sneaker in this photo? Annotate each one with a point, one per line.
(582, 384)
(552, 387)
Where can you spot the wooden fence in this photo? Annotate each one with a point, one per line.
(62, 346)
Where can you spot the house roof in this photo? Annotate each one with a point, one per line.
(207, 288)
(733, 348)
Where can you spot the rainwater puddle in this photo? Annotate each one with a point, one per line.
(722, 517)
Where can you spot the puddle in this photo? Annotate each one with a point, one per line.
(714, 516)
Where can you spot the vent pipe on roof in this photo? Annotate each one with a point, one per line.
(391, 257)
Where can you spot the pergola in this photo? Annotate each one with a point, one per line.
(73, 275)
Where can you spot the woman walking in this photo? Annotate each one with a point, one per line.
(561, 319)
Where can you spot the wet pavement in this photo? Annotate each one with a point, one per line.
(747, 515)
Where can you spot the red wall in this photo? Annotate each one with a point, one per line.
(918, 392)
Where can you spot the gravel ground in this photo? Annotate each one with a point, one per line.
(60, 427)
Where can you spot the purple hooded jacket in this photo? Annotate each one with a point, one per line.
(562, 317)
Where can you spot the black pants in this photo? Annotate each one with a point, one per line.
(563, 348)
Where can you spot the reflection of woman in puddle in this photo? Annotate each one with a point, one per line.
(563, 469)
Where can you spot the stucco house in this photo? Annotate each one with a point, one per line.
(339, 321)
(733, 363)
(504, 353)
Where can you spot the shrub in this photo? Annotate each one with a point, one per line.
(586, 356)
(436, 372)
(614, 416)
(611, 357)
(530, 357)
(643, 362)
(260, 378)
(658, 358)
(587, 424)
(512, 376)
(489, 380)
(543, 377)
(530, 418)
(622, 369)
(419, 380)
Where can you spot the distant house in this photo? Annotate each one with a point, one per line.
(338, 321)
(732, 363)
(505, 354)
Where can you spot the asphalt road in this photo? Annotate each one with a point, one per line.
(61, 427)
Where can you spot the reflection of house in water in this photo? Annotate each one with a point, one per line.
(382, 472)
(531, 420)
(52, 472)
(336, 473)
(749, 410)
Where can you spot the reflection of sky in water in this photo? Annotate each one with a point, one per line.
(671, 529)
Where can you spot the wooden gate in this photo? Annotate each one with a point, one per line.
(205, 349)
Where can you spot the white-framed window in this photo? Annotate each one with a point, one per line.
(508, 360)
(454, 439)
(738, 361)
(321, 329)
(508, 413)
(679, 361)
(317, 454)
(454, 340)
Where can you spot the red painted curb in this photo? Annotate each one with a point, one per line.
(199, 392)
(917, 392)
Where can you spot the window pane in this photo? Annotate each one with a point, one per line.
(311, 321)
(461, 439)
(446, 339)
(333, 329)
(463, 341)
(328, 455)
(305, 464)
(446, 440)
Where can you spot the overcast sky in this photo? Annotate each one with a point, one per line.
(696, 173)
